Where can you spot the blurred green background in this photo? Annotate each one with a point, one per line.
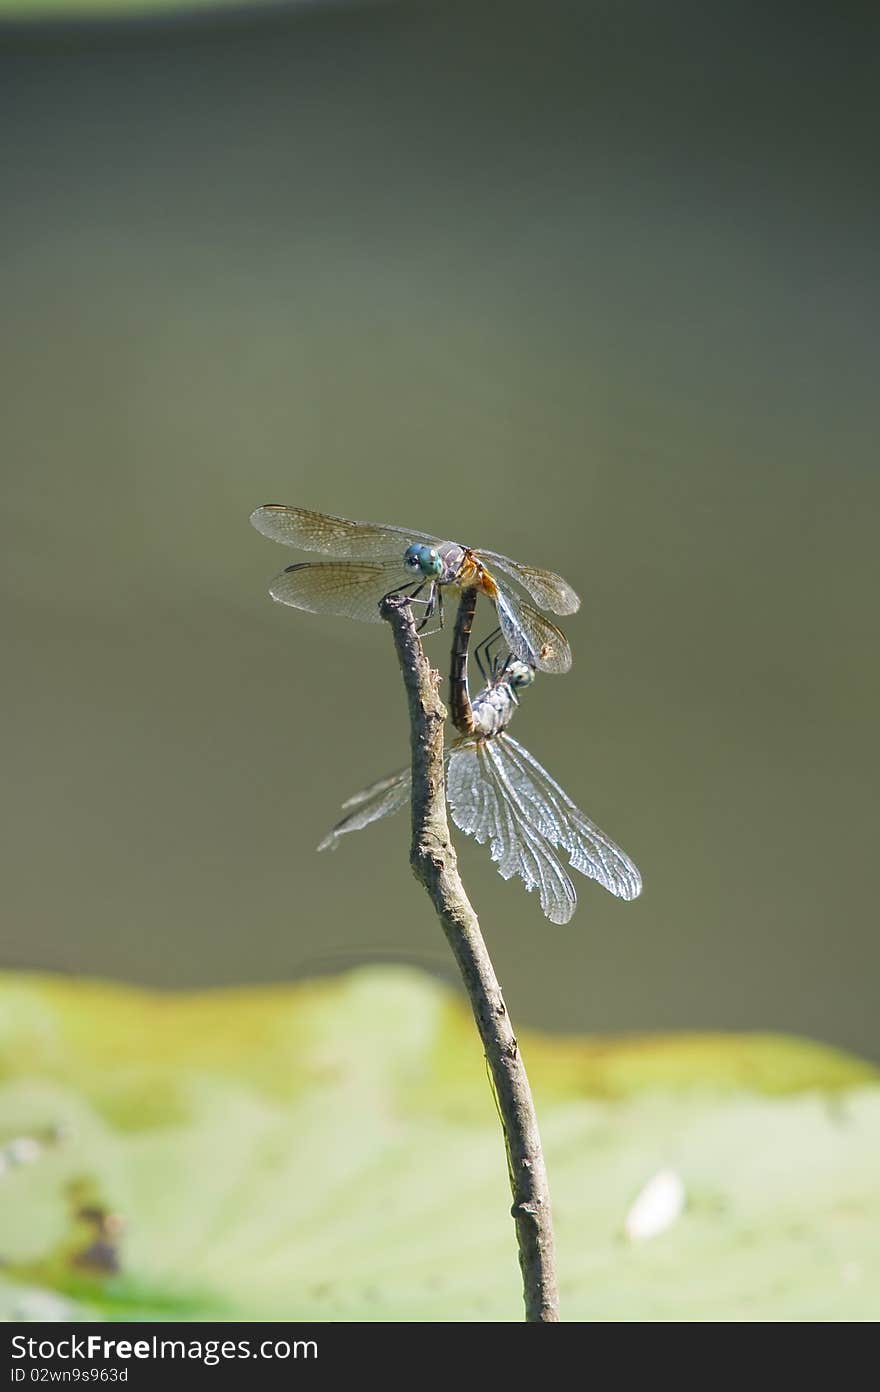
(592, 285)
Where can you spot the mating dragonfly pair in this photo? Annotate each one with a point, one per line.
(497, 792)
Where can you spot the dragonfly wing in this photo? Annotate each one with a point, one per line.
(548, 590)
(481, 807)
(538, 864)
(375, 790)
(589, 850)
(333, 536)
(381, 799)
(347, 589)
(471, 800)
(531, 637)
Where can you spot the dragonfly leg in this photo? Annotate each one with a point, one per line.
(413, 595)
(483, 655)
(434, 603)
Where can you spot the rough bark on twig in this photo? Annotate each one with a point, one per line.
(434, 863)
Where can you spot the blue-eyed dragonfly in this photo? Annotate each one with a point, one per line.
(372, 560)
(498, 793)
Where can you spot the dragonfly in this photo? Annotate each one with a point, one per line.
(499, 794)
(370, 560)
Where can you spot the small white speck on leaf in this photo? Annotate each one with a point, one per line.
(24, 1150)
(658, 1205)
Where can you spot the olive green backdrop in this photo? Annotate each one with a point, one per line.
(593, 285)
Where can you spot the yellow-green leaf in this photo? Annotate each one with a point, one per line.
(331, 1151)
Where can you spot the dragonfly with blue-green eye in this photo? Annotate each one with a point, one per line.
(371, 560)
(499, 793)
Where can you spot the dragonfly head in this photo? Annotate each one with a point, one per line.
(423, 560)
(519, 674)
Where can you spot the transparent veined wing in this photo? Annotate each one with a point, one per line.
(531, 637)
(548, 590)
(347, 589)
(333, 536)
(589, 850)
(382, 785)
(381, 799)
(482, 807)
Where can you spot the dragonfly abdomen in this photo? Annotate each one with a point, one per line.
(459, 695)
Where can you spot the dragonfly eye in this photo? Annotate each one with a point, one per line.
(422, 559)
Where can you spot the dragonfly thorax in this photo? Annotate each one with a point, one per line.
(493, 709)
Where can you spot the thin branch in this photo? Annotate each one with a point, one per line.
(435, 866)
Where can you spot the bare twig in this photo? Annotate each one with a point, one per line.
(435, 865)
